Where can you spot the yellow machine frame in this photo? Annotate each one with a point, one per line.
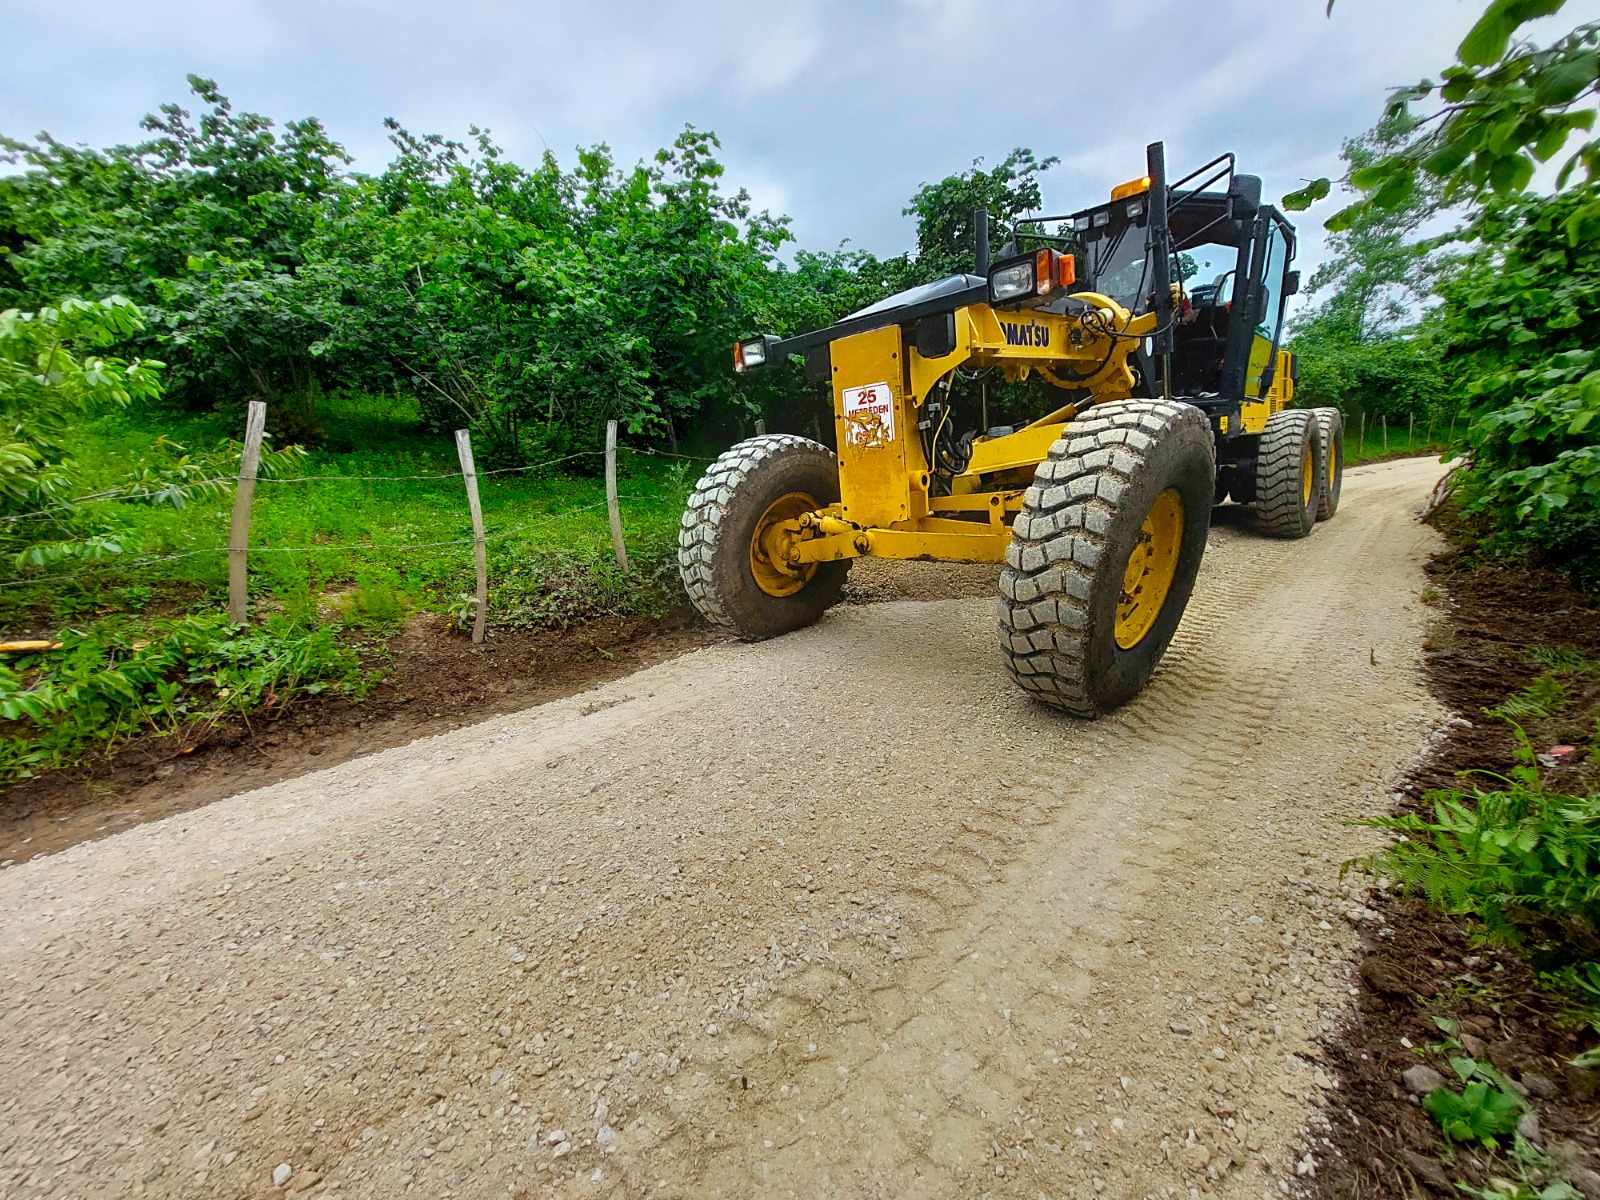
(887, 508)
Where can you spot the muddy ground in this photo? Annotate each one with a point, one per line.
(841, 914)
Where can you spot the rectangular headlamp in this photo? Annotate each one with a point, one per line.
(1013, 282)
(1036, 277)
(756, 352)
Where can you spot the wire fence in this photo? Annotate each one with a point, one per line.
(244, 485)
(121, 565)
(191, 486)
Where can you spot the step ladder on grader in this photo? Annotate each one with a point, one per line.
(1156, 318)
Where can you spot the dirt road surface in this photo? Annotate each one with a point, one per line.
(838, 915)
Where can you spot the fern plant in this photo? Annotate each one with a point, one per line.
(1546, 696)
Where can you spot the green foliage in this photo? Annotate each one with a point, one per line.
(1520, 858)
(1545, 697)
(376, 602)
(203, 225)
(529, 304)
(946, 235)
(1517, 323)
(49, 380)
(1485, 1110)
(1514, 332)
(1503, 107)
(1362, 343)
(1564, 660)
(120, 677)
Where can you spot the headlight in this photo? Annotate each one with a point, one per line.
(754, 353)
(1011, 282)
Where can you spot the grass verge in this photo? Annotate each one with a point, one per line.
(372, 528)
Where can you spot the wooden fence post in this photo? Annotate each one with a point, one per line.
(1363, 444)
(1385, 419)
(479, 554)
(611, 496)
(243, 496)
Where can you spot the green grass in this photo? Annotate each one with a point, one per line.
(337, 564)
(549, 550)
(1402, 442)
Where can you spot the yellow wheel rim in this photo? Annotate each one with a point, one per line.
(1147, 579)
(768, 561)
(1308, 476)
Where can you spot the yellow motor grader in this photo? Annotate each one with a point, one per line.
(1156, 319)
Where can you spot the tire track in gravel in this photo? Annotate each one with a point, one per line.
(837, 915)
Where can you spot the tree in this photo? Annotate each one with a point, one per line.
(203, 225)
(946, 235)
(1517, 315)
(1504, 107)
(1362, 343)
(50, 376)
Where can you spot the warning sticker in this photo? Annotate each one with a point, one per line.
(869, 415)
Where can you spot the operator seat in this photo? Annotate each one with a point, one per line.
(1201, 343)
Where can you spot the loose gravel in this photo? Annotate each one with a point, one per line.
(841, 914)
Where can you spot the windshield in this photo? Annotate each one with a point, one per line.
(1116, 268)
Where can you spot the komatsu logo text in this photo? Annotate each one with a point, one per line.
(1026, 335)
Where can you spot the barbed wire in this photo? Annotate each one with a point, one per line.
(668, 454)
(325, 547)
(551, 462)
(141, 491)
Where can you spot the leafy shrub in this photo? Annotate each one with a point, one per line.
(50, 377)
(1520, 858)
(117, 678)
(1486, 1109)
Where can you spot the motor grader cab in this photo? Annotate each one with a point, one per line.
(1156, 320)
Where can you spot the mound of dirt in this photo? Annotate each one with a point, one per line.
(873, 580)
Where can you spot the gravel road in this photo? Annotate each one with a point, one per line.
(842, 914)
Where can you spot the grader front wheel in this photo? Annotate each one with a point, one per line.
(1104, 553)
(730, 542)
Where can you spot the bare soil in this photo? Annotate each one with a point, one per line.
(1419, 965)
(840, 914)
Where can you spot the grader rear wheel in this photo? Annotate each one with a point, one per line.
(1288, 465)
(730, 543)
(1104, 553)
(1330, 422)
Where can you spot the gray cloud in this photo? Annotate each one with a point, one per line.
(830, 110)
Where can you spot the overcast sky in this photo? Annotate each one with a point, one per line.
(831, 111)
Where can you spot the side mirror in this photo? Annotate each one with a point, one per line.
(1245, 192)
(1291, 284)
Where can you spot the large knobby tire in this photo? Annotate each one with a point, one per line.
(1330, 423)
(729, 579)
(1104, 553)
(1288, 462)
